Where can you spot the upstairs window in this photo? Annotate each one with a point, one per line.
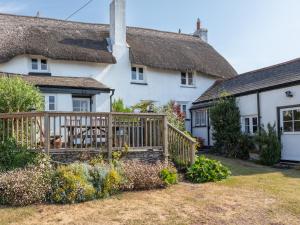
(39, 65)
(187, 79)
(137, 74)
(34, 64)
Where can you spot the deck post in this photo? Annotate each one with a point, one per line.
(193, 152)
(165, 138)
(47, 132)
(110, 136)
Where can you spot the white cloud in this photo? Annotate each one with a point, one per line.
(11, 7)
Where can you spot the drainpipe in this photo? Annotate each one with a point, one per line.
(191, 113)
(258, 113)
(111, 96)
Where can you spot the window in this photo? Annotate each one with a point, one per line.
(247, 125)
(250, 124)
(137, 74)
(187, 79)
(81, 105)
(44, 65)
(200, 118)
(51, 103)
(34, 64)
(183, 108)
(291, 120)
(39, 65)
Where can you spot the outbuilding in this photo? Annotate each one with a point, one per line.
(268, 95)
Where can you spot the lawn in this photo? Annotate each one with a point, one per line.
(253, 195)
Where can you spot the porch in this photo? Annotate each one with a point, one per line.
(63, 132)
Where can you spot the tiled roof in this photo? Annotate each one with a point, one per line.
(265, 78)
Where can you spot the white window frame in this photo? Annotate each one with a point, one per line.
(47, 103)
(187, 78)
(87, 100)
(137, 74)
(293, 120)
(201, 118)
(39, 65)
(251, 124)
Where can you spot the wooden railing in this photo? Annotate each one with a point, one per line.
(182, 148)
(62, 131)
(55, 132)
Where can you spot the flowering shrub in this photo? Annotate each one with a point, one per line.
(24, 186)
(72, 184)
(206, 170)
(140, 176)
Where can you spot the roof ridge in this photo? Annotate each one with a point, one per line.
(103, 24)
(49, 18)
(270, 67)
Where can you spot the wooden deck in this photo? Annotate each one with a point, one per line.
(102, 132)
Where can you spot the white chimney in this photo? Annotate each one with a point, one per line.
(118, 23)
(201, 32)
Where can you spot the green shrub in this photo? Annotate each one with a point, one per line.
(16, 95)
(72, 184)
(169, 176)
(24, 186)
(206, 170)
(141, 176)
(225, 120)
(13, 156)
(270, 147)
(244, 146)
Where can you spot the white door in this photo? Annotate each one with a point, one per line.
(290, 133)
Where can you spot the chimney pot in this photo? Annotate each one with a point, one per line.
(198, 24)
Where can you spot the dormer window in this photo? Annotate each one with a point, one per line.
(39, 65)
(187, 79)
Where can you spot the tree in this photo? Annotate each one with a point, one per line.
(119, 106)
(16, 95)
(225, 121)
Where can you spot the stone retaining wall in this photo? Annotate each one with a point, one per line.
(147, 156)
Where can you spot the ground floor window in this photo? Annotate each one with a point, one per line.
(50, 102)
(81, 105)
(291, 120)
(250, 124)
(201, 118)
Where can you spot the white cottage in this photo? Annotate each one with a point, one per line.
(82, 66)
(268, 95)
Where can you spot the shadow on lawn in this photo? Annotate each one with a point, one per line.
(248, 168)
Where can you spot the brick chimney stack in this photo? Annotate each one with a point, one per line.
(200, 32)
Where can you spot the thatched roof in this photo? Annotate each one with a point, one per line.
(284, 74)
(61, 82)
(63, 40)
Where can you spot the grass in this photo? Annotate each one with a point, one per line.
(254, 194)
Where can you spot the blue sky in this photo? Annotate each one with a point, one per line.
(249, 34)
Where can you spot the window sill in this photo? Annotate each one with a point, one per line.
(38, 73)
(188, 86)
(200, 126)
(139, 83)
